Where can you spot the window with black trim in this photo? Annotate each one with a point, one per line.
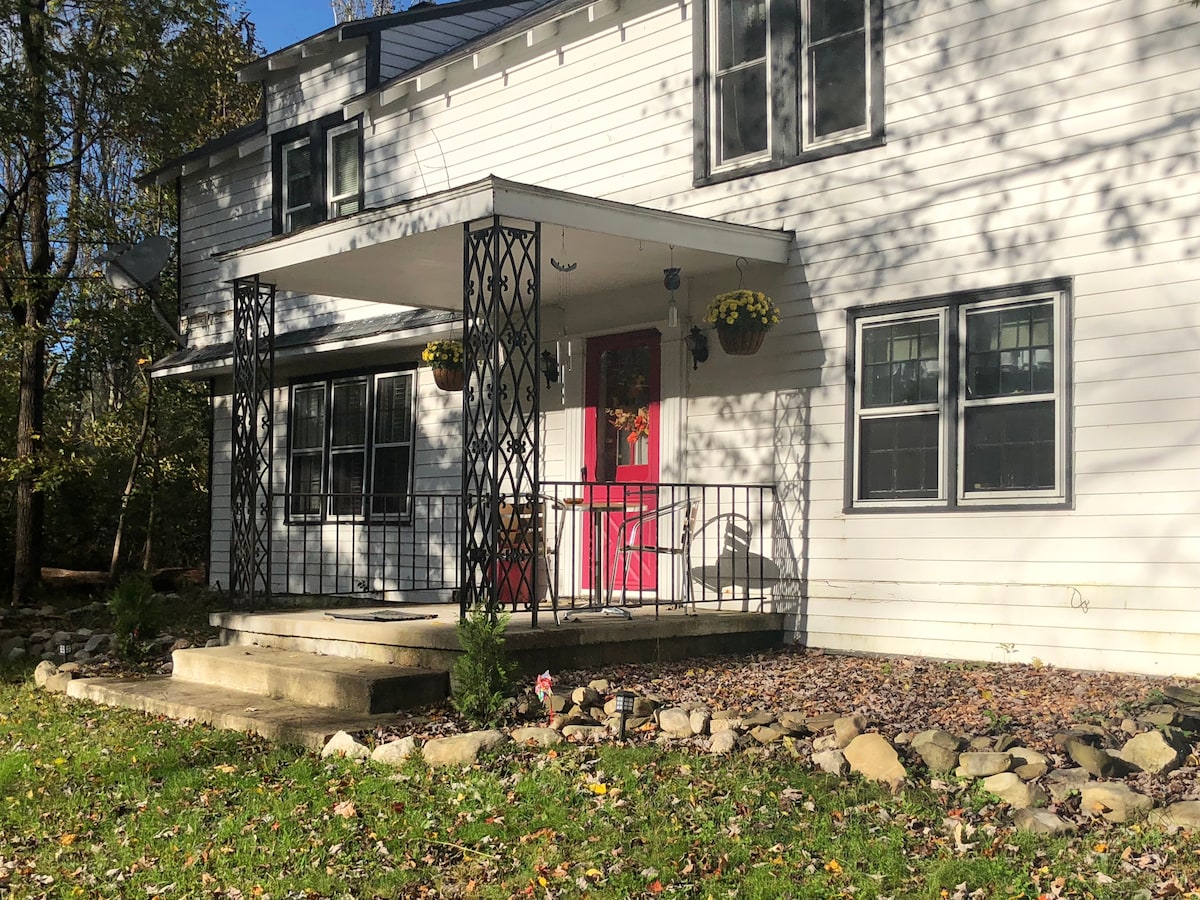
(786, 81)
(317, 173)
(350, 453)
(961, 400)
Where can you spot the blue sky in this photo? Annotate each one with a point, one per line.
(283, 22)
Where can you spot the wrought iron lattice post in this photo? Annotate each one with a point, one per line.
(502, 519)
(253, 388)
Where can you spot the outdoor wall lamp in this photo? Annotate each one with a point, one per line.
(697, 344)
(549, 367)
(624, 707)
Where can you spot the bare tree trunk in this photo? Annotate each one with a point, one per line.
(127, 494)
(30, 507)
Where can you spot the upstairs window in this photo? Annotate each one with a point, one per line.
(317, 173)
(961, 401)
(350, 447)
(785, 81)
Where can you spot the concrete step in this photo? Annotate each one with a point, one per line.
(282, 721)
(352, 686)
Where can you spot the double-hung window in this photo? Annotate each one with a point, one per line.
(961, 400)
(350, 446)
(317, 172)
(785, 81)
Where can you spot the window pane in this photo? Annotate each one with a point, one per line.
(393, 410)
(308, 418)
(1009, 447)
(831, 17)
(346, 474)
(349, 414)
(741, 32)
(901, 363)
(839, 89)
(742, 99)
(1010, 351)
(344, 164)
(306, 484)
(390, 480)
(899, 458)
(297, 162)
(299, 218)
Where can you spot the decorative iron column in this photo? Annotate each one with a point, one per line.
(501, 405)
(253, 407)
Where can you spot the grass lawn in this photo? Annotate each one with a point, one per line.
(97, 802)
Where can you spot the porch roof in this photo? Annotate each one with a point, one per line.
(410, 253)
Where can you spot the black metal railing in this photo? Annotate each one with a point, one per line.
(601, 545)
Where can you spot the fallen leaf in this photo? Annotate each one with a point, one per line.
(345, 809)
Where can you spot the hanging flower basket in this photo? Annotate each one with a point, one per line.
(742, 319)
(449, 379)
(445, 358)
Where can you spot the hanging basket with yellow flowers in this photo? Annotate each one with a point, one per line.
(742, 319)
(445, 358)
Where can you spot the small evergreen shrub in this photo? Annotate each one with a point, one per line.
(483, 675)
(137, 616)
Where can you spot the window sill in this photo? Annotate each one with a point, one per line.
(770, 165)
(966, 507)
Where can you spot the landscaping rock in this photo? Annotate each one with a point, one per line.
(1013, 791)
(1157, 716)
(1184, 814)
(1040, 821)
(675, 721)
(57, 683)
(847, 728)
(1183, 696)
(1029, 765)
(584, 733)
(717, 725)
(543, 737)
(821, 721)
(45, 669)
(825, 742)
(1093, 760)
(938, 749)
(873, 757)
(463, 749)
(393, 753)
(586, 698)
(342, 744)
(699, 719)
(1115, 800)
(767, 734)
(981, 764)
(723, 742)
(1062, 783)
(757, 717)
(793, 723)
(832, 762)
(601, 686)
(1156, 752)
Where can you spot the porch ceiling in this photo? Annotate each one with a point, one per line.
(411, 253)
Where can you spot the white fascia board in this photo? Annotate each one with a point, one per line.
(450, 208)
(640, 223)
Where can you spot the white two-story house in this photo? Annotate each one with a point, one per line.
(975, 431)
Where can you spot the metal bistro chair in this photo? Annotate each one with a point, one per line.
(515, 538)
(736, 568)
(632, 540)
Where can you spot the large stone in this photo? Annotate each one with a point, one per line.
(723, 742)
(600, 686)
(1184, 814)
(585, 733)
(1041, 821)
(832, 762)
(43, 672)
(824, 742)
(1062, 783)
(57, 683)
(821, 721)
(794, 723)
(97, 642)
(543, 737)
(1114, 800)
(699, 719)
(1156, 752)
(1094, 760)
(716, 726)
(1183, 696)
(463, 749)
(981, 764)
(847, 728)
(393, 753)
(871, 756)
(1013, 791)
(767, 734)
(342, 744)
(1028, 764)
(757, 717)
(586, 697)
(938, 749)
(675, 721)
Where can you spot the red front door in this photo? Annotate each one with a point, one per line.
(621, 438)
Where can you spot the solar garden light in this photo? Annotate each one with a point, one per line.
(64, 650)
(624, 709)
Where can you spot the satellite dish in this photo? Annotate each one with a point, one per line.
(139, 265)
(131, 267)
